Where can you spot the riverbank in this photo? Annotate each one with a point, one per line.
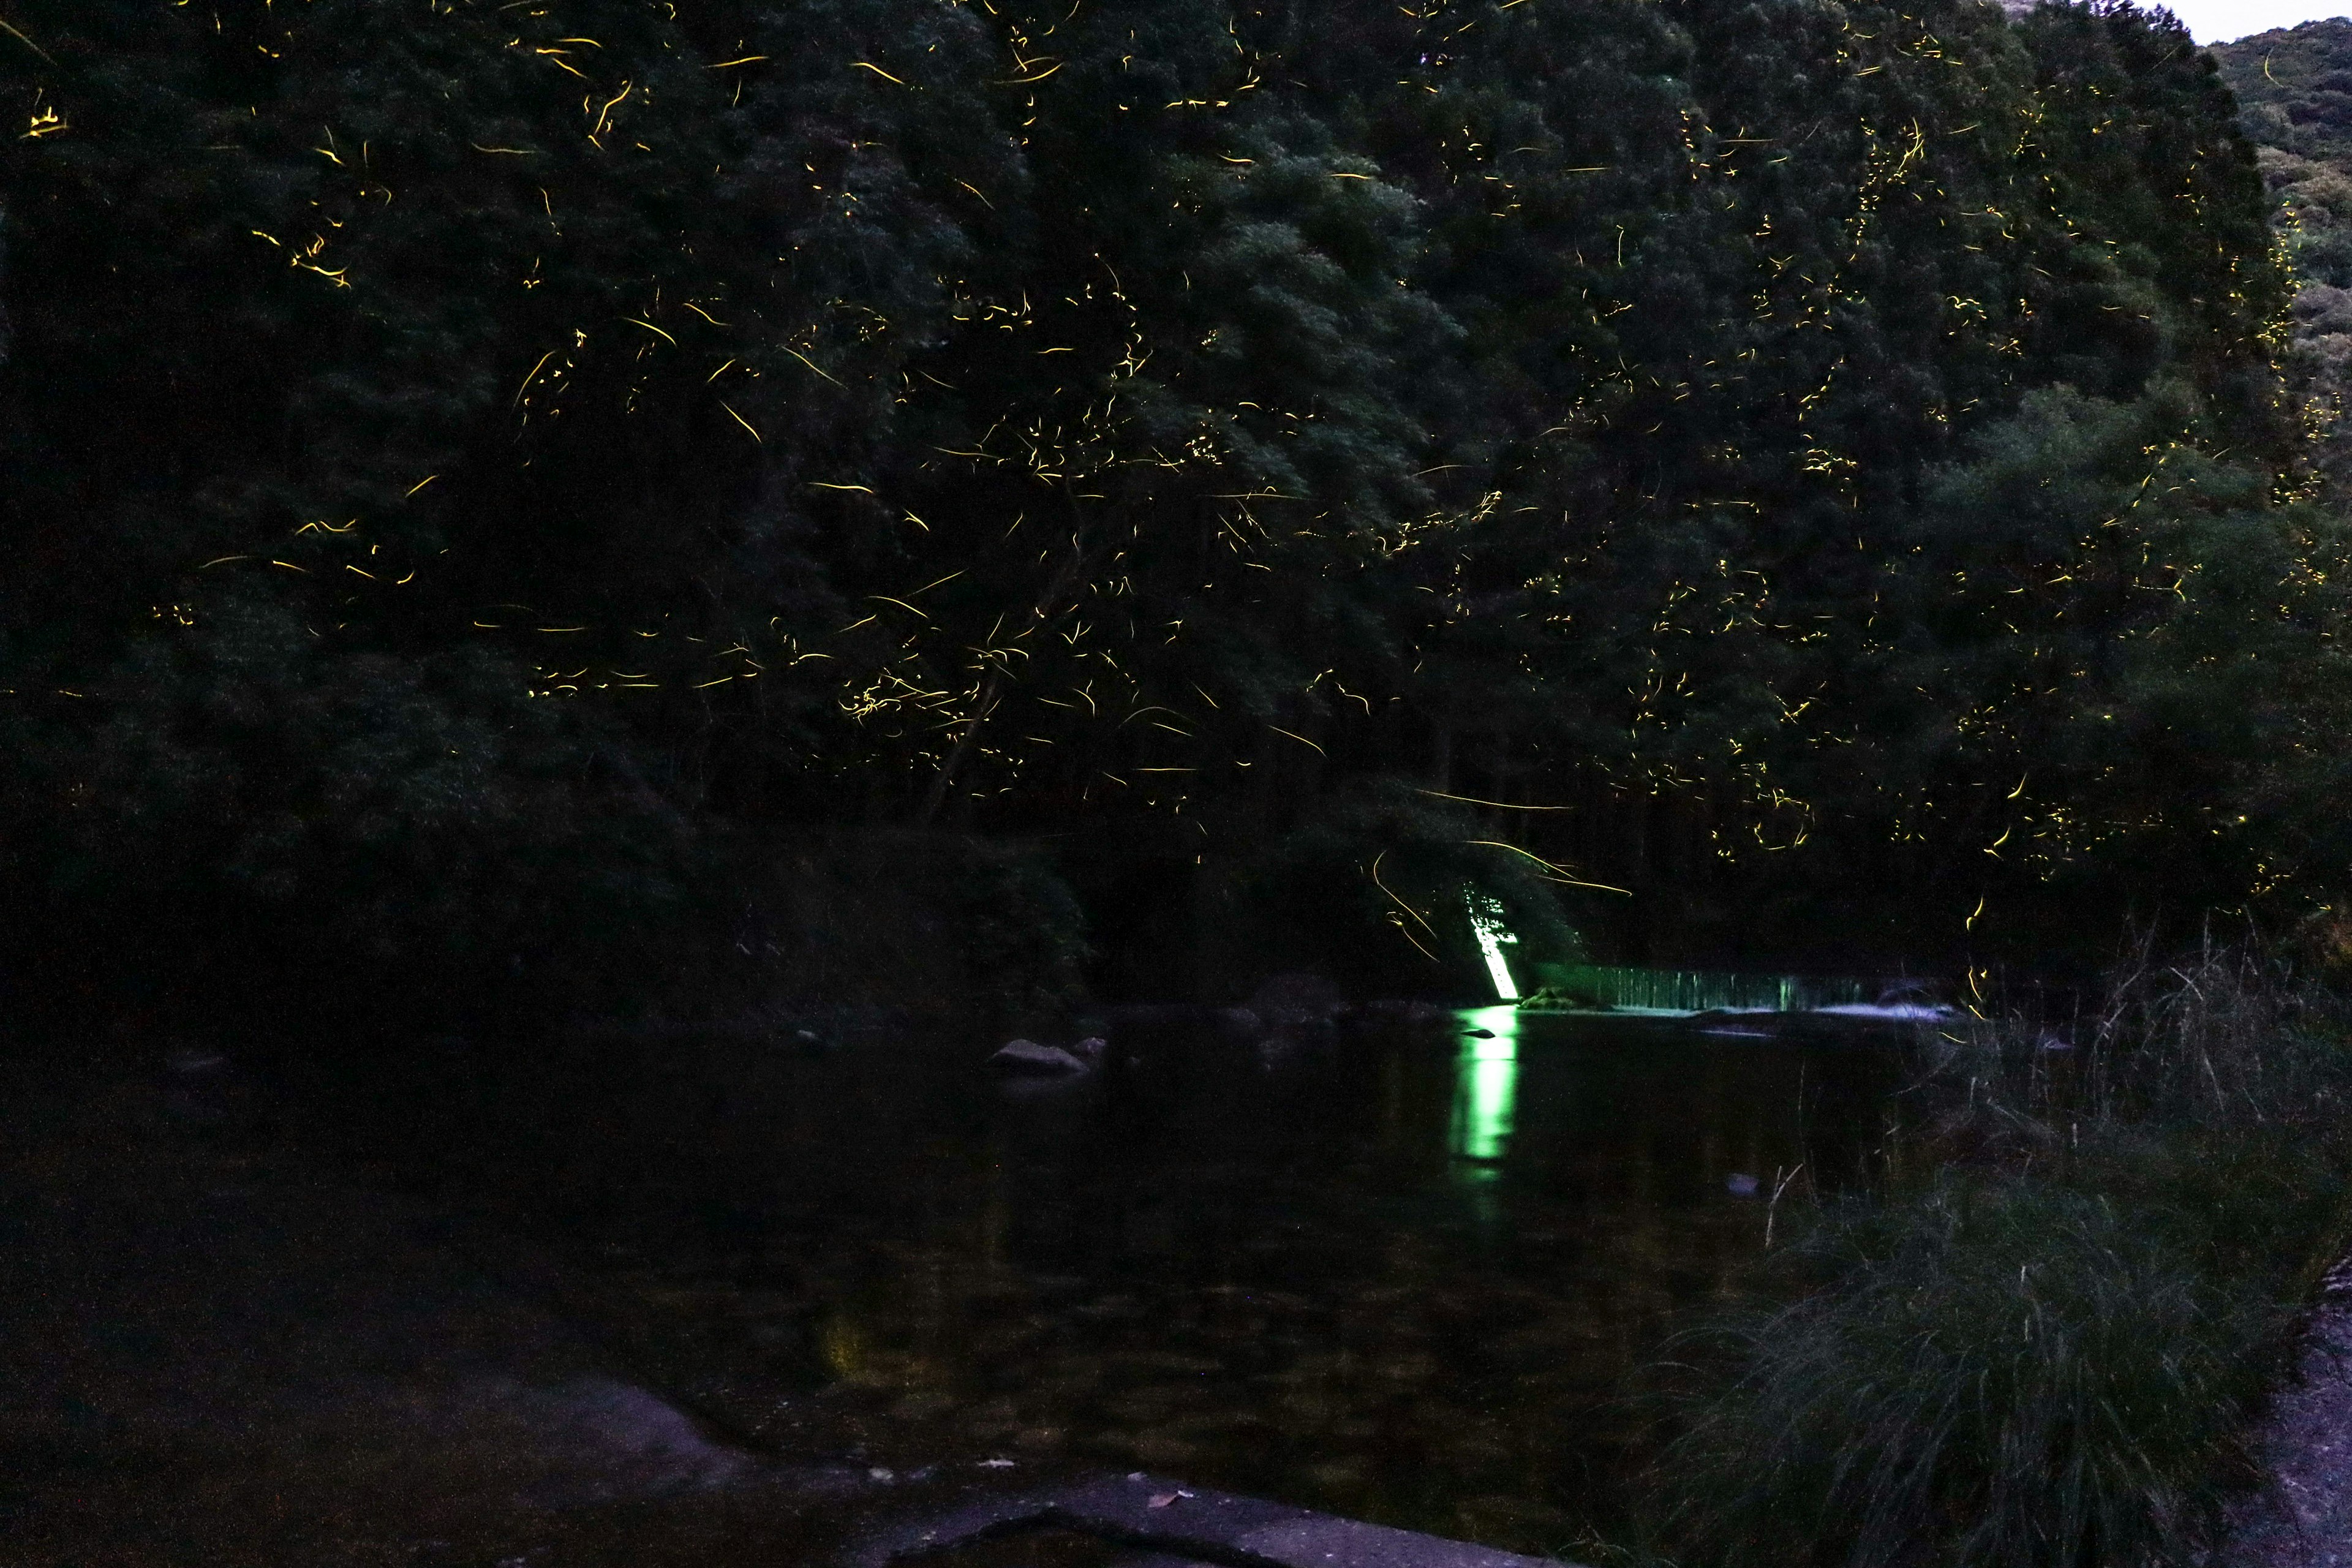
(2050, 1326)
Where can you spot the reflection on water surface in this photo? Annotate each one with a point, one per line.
(1486, 1082)
(1399, 1275)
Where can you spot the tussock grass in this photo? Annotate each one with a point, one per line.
(2038, 1340)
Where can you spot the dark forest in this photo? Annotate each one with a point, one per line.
(602, 596)
(562, 500)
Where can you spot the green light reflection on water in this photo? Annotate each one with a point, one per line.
(1486, 1086)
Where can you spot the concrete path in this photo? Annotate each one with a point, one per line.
(1192, 1523)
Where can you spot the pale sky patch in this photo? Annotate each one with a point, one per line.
(2226, 21)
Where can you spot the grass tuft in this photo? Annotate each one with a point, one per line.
(2042, 1346)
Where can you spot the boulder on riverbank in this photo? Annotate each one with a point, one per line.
(239, 1350)
(1027, 1058)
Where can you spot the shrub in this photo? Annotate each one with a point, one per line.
(1999, 1372)
(2042, 1348)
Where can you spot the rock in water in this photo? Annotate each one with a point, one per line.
(1239, 1022)
(1027, 1058)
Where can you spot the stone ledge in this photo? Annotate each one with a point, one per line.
(1191, 1523)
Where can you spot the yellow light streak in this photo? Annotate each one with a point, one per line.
(26, 41)
(811, 364)
(651, 327)
(740, 420)
(746, 60)
(1391, 892)
(1504, 804)
(534, 371)
(422, 483)
(608, 110)
(877, 70)
(1560, 874)
(1400, 924)
(1300, 738)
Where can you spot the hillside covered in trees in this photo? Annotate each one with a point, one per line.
(2292, 105)
(508, 496)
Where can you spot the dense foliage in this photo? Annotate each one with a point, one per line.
(2292, 105)
(2039, 1330)
(479, 476)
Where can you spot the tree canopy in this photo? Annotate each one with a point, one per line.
(467, 465)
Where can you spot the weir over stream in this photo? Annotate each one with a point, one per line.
(1700, 990)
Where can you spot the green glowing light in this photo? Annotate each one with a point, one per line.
(1486, 920)
(1487, 1084)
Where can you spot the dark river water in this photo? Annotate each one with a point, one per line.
(1403, 1275)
